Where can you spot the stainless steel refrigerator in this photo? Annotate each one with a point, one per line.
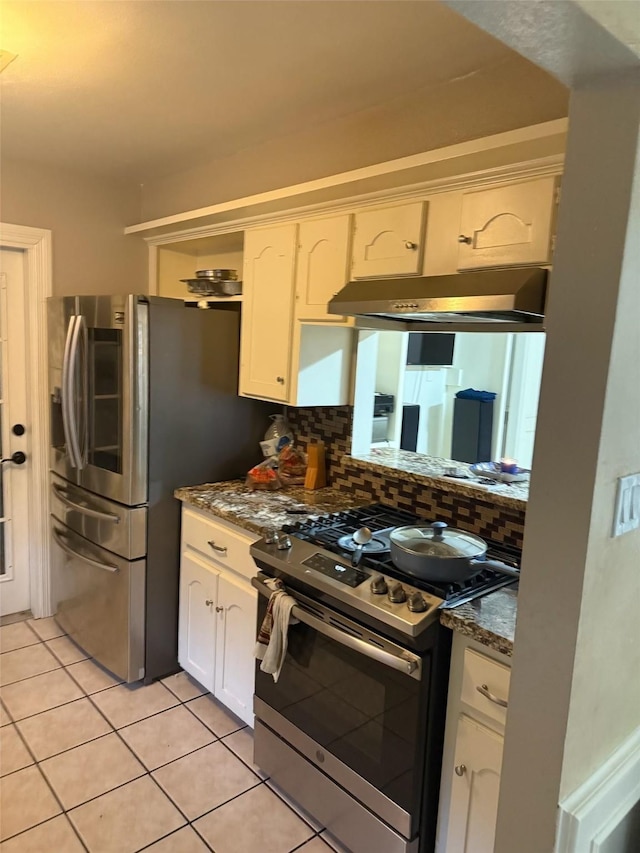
(143, 395)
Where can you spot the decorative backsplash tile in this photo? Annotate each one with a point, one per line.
(333, 426)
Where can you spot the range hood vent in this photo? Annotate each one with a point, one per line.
(491, 300)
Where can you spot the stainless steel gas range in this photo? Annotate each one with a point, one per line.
(353, 728)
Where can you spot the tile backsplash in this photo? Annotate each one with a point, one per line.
(333, 426)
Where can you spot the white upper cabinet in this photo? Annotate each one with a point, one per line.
(267, 316)
(508, 225)
(322, 267)
(281, 357)
(389, 241)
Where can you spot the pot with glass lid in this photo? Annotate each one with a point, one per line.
(439, 553)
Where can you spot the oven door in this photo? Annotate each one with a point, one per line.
(355, 705)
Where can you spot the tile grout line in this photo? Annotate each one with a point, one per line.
(51, 789)
(40, 771)
(114, 730)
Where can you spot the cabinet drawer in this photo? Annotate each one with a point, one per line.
(491, 677)
(218, 542)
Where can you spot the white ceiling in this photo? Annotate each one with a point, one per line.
(140, 88)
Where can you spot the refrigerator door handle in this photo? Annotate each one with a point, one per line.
(69, 550)
(73, 401)
(67, 391)
(85, 510)
(84, 367)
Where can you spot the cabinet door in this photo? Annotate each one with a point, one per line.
(475, 789)
(267, 312)
(389, 241)
(197, 623)
(508, 225)
(235, 663)
(323, 266)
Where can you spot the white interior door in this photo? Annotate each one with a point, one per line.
(526, 376)
(14, 477)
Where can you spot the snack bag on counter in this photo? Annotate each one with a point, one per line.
(292, 465)
(264, 476)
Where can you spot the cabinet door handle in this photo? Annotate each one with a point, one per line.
(209, 602)
(219, 609)
(409, 244)
(280, 380)
(484, 690)
(461, 769)
(464, 239)
(222, 549)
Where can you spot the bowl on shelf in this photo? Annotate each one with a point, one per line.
(218, 275)
(491, 471)
(213, 287)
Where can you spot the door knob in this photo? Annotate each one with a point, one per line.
(18, 458)
(18, 429)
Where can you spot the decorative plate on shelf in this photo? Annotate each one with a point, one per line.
(491, 470)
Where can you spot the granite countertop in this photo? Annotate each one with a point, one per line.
(489, 620)
(429, 471)
(262, 510)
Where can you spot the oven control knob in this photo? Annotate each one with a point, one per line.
(416, 602)
(284, 543)
(397, 594)
(271, 536)
(378, 585)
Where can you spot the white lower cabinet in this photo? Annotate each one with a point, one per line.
(475, 788)
(218, 611)
(197, 631)
(235, 664)
(472, 758)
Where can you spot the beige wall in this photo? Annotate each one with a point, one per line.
(575, 690)
(511, 94)
(87, 216)
(605, 693)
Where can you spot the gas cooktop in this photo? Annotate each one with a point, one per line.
(320, 552)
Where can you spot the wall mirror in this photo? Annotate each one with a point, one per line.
(406, 386)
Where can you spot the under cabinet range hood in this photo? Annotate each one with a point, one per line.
(502, 300)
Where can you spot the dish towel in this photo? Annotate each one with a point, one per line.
(271, 647)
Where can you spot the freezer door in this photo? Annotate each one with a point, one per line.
(61, 326)
(120, 529)
(99, 599)
(111, 408)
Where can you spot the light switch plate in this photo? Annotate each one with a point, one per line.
(627, 511)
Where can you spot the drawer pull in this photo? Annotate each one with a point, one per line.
(484, 690)
(461, 769)
(222, 549)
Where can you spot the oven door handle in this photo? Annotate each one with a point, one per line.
(404, 662)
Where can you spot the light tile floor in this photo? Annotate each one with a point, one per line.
(90, 764)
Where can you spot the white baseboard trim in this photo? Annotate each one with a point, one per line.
(591, 813)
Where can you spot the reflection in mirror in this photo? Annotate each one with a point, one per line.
(406, 386)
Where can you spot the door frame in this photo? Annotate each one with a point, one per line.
(36, 244)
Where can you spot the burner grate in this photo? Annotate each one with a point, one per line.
(327, 531)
